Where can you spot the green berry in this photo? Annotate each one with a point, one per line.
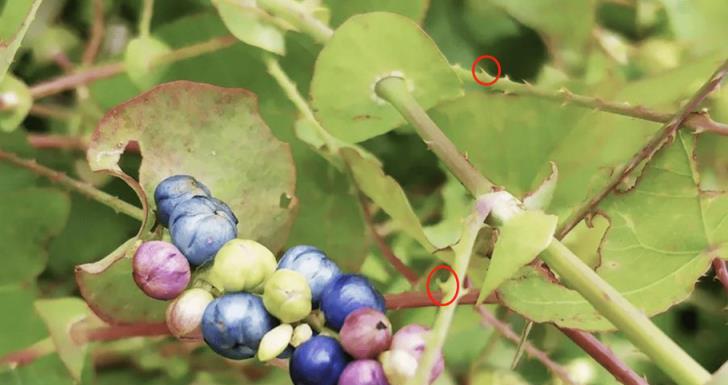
(242, 265)
(275, 342)
(287, 296)
(301, 334)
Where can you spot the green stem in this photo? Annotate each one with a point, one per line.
(572, 270)
(298, 16)
(145, 20)
(80, 187)
(395, 92)
(194, 50)
(697, 121)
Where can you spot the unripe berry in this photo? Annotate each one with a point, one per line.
(287, 296)
(398, 365)
(275, 342)
(184, 314)
(242, 265)
(363, 372)
(301, 334)
(366, 333)
(412, 339)
(160, 270)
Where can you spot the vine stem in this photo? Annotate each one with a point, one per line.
(297, 15)
(80, 187)
(145, 20)
(97, 34)
(655, 143)
(721, 272)
(635, 325)
(89, 75)
(698, 121)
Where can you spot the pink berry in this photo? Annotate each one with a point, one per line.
(160, 270)
(412, 339)
(366, 333)
(363, 372)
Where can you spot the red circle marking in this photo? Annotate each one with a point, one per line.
(457, 284)
(497, 75)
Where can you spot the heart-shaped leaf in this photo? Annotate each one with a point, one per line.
(365, 49)
(15, 18)
(344, 9)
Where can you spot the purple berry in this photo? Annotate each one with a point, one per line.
(160, 270)
(363, 372)
(346, 293)
(412, 339)
(366, 333)
(318, 361)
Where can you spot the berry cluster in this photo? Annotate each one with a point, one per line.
(263, 307)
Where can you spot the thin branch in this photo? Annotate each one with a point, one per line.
(97, 34)
(63, 142)
(80, 187)
(698, 121)
(117, 332)
(604, 356)
(664, 135)
(505, 330)
(721, 272)
(411, 276)
(86, 76)
(145, 20)
(29, 354)
(50, 111)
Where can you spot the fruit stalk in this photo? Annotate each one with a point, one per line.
(300, 17)
(577, 275)
(80, 187)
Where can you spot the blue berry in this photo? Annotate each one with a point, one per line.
(314, 265)
(174, 190)
(318, 361)
(345, 294)
(234, 324)
(200, 226)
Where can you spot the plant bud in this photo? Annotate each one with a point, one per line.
(287, 296)
(301, 334)
(242, 265)
(412, 339)
(160, 270)
(398, 366)
(366, 333)
(275, 342)
(184, 314)
(363, 372)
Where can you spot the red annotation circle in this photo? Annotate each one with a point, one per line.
(497, 75)
(457, 283)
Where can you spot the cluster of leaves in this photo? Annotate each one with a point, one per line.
(291, 183)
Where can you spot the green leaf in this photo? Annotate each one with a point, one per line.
(698, 24)
(520, 241)
(138, 58)
(47, 370)
(31, 225)
(15, 18)
(109, 290)
(15, 102)
(214, 134)
(341, 10)
(59, 316)
(662, 237)
(586, 239)
(541, 198)
(251, 25)
(23, 328)
(362, 51)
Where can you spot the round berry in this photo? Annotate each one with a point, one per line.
(412, 339)
(287, 296)
(160, 270)
(174, 190)
(398, 366)
(318, 361)
(275, 342)
(199, 227)
(233, 325)
(363, 372)
(184, 314)
(366, 333)
(318, 269)
(346, 293)
(242, 265)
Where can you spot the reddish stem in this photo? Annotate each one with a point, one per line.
(97, 34)
(69, 82)
(721, 272)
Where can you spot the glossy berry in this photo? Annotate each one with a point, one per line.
(199, 227)
(346, 293)
(174, 190)
(412, 339)
(363, 372)
(318, 361)
(287, 296)
(160, 270)
(318, 269)
(233, 325)
(242, 265)
(366, 333)
(184, 314)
